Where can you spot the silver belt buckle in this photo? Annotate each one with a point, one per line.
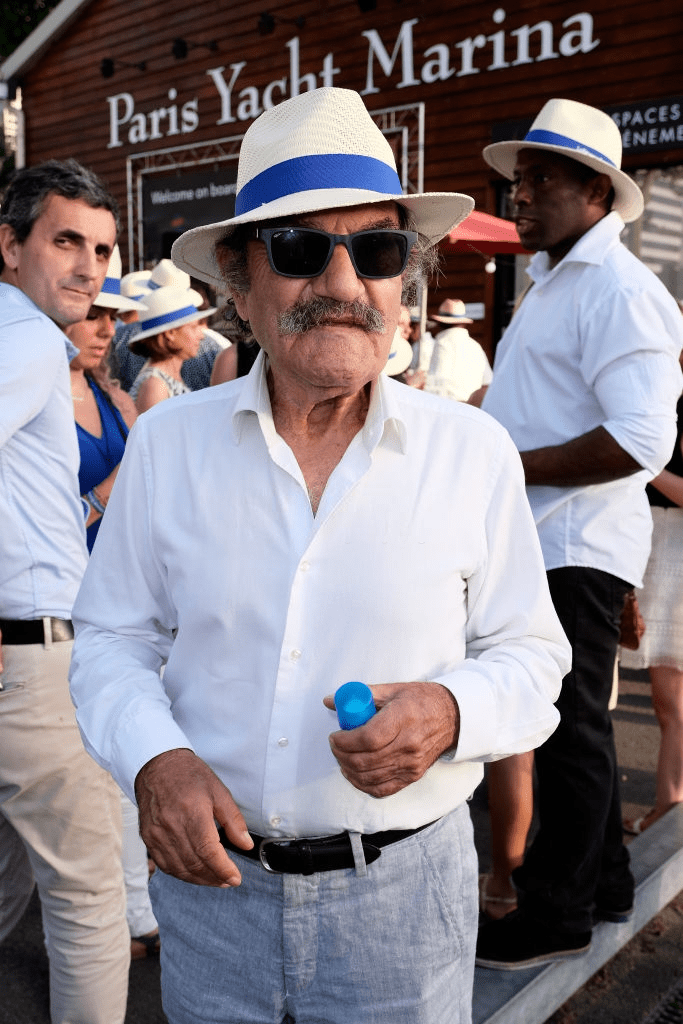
(62, 629)
(275, 842)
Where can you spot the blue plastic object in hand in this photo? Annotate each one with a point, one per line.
(354, 704)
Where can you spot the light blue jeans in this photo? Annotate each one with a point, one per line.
(393, 945)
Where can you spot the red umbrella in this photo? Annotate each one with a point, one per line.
(481, 232)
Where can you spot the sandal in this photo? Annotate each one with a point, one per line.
(142, 946)
(484, 899)
(634, 826)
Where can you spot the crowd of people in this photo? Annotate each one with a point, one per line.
(338, 508)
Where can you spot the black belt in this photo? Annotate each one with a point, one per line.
(32, 631)
(307, 856)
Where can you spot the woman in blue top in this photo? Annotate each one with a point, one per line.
(103, 412)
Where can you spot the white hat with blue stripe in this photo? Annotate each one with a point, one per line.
(168, 307)
(317, 151)
(166, 274)
(581, 133)
(135, 285)
(110, 296)
(400, 355)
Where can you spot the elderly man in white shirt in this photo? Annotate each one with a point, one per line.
(586, 379)
(274, 537)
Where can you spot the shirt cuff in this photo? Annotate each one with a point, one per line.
(138, 742)
(478, 716)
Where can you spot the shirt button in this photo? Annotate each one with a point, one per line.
(295, 654)
(275, 820)
(305, 566)
(283, 742)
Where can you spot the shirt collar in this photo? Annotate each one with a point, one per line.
(22, 299)
(384, 421)
(590, 248)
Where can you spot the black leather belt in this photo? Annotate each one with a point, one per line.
(32, 631)
(307, 856)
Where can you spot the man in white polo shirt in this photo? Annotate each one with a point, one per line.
(586, 380)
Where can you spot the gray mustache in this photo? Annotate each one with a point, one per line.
(307, 315)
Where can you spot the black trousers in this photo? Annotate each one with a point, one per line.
(578, 856)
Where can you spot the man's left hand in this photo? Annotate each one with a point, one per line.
(415, 724)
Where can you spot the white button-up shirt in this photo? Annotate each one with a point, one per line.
(42, 533)
(595, 342)
(458, 365)
(422, 563)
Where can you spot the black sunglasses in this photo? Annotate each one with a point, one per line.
(305, 252)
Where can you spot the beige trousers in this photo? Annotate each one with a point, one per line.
(60, 826)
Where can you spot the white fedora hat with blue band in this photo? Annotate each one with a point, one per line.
(166, 274)
(134, 285)
(400, 355)
(169, 307)
(110, 296)
(317, 151)
(581, 133)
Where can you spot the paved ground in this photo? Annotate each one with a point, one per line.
(626, 991)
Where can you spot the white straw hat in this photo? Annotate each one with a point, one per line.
(400, 356)
(169, 307)
(110, 297)
(582, 133)
(317, 151)
(452, 311)
(135, 284)
(166, 274)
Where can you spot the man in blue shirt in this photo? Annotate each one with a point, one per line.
(59, 824)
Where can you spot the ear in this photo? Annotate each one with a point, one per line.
(600, 187)
(241, 305)
(166, 341)
(9, 246)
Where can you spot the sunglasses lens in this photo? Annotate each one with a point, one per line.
(380, 253)
(297, 253)
(304, 252)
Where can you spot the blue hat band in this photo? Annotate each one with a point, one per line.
(111, 286)
(167, 318)
(553, 139)
(326, 171)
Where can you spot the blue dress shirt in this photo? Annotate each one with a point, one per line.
(42, 540)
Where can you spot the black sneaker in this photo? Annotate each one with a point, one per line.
(516, 942)
(614, 904)
(614, 913)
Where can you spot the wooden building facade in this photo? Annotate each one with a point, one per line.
(156, 96)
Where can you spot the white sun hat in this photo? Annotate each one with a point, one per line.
(317, 151)
(166, 274)
(169, 307)
(582, 133)
(452, 311)
(135, 284)
(110, 296)
(400, 356)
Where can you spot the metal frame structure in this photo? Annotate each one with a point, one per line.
(403, 126)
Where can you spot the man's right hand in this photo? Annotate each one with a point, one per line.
(180, 800)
